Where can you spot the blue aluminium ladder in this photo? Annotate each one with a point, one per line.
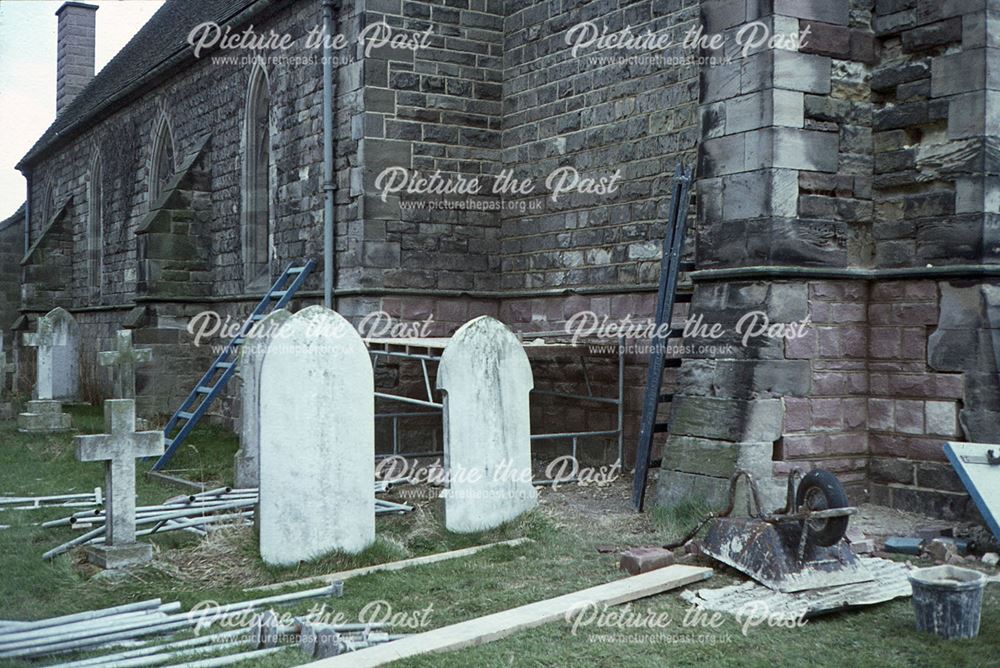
(211, 384)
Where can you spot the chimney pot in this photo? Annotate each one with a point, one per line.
(74, 51)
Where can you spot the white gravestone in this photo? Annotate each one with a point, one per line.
(57, 372)
(247, 459)
(123, 360)
(487, 379)
(57, 339)
(118, 449)
(317, 440)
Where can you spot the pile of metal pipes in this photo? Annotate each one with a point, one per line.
(87, 631)
(264, 636)
(194, 513)
(57, 501)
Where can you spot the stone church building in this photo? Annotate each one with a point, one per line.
(849, 181)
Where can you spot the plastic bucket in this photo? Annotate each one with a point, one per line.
(948, 601)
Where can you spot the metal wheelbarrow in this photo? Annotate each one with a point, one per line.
(796, 548)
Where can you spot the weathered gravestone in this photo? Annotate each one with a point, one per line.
(247, 458)
(123, 360)
(58, 366)
(6, 409)
(118, 449)
(487, 378)
(57, 372)
(317, 440)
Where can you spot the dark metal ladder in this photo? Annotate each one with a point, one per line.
(673, 246)
(211, 384)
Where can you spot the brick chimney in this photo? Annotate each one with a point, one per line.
(74, 51)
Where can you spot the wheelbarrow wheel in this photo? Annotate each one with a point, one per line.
(820, 490)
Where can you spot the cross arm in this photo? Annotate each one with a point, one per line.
(148, 443)
(92, 448)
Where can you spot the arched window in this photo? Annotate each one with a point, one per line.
(49, 205)
(256, 197)
(161, 166)
(95, 230)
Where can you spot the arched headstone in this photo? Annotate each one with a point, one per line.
(57, 372)
(487, 378)
(57, 338)
(247, 459)
(317, 440)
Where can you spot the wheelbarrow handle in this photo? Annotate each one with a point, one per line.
(812, 514)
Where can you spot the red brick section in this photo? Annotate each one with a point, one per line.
(912, 409)
(828, 429)
(877, 414)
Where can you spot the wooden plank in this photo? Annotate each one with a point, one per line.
(391, 566)
(501, 624)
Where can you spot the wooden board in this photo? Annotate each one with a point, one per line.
(501, 624)
(981, 480)
(391, 566)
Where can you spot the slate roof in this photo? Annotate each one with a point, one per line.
(147, 55)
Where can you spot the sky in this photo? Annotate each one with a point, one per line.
(28, 74)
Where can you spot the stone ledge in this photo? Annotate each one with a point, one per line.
(845, 273)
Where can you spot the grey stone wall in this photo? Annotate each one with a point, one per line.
(432, 110)
(11, 252)
(936, 118)
(600, 111)
(209, 99)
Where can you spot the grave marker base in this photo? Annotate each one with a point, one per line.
(119, 556)
(44, 416)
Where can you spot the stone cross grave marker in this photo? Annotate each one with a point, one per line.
(123, 360)
(118, 449)
(487, 378)
(317, 440)
(57, 368)
(247, 458)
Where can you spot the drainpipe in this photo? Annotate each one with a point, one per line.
(329, 176)
(27, 213)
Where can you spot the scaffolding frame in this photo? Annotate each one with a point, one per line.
(428, 351)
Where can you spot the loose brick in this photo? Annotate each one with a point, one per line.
(644, 559)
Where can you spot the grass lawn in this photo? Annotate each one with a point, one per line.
(569, 527)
